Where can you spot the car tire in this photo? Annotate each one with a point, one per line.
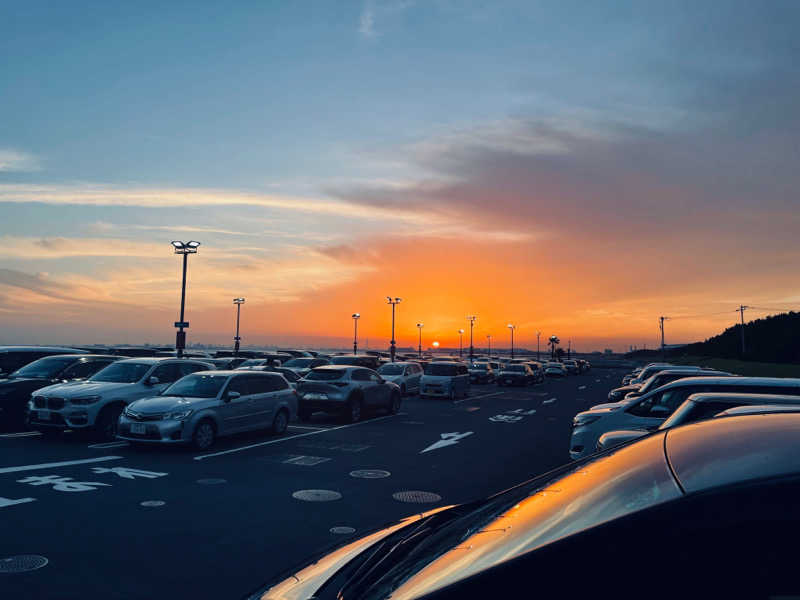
(280, 422)
(105, 428)
(394, 403)
(403, 390)
(452, 396)
(354, 411)
(304, 414)
(204, 435)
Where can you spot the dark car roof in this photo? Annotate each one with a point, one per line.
(59, 349)
(338, 367)
(734, 449)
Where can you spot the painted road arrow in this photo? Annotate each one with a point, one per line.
(448, 439)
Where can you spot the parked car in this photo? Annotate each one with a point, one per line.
(758, 409)
(516, 374)
(444, 379)
(15, 357)
(619, 393)
(205, 405)
(301, 366)
(698, 407)
(357, 360)
(555, 369)
(571, 366)
(651, 370)
(225, 363)
(538, 370)
(730, 484)
(482, 372)
(664, 377)
(405, 374)
(652, 409)
(95, 404)
(297, 353)
(346, 390)
(16, 390)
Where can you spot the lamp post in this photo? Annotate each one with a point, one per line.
(489, 339)
(392, 347)
(185, 248)
(471, 320)
(512, 328)
(460, 343)
(419, 350)
(236, 339)
(356, 316)
(538, 333)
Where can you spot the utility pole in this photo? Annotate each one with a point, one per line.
(471, 320)
(741, 310)
(393, 345)
(661, 326)
(489, 339)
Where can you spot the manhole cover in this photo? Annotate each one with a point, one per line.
(343, 530)
(416, 496)
(152, 503)
(22, 563)
(316, 495)
(212, 481)
(369, 474)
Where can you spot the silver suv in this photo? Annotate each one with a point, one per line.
(346, 390)
(203, 406)
(96, 403)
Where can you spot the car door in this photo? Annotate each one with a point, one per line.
(362, 378)
(234, 411)
(167, 373)
(415, 374)
(260, 407)
(463, 379)
(383, 391)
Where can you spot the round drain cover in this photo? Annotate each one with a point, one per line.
(22, 563)
(212, 481)
(370, 474)
(316, 495)
(416, 496)
(343, 530)
(152, 503)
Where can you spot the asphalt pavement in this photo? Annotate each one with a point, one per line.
(120, 522)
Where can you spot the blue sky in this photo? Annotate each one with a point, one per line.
(287, 134)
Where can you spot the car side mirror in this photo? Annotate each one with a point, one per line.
(232, 396)
(152, 381)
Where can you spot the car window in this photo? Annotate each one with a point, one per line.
(375, 377)
(168, 373)
(84, 369)
(706, 410)
(188, 368)
(663, 404)
(266, 384)
(45, 367)
(239, 384)
(323, 374)
(361, 375)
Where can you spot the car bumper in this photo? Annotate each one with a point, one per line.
(54, 419)
(435, 391)
(159, 432)
(582, 443)
(511, 380)
(321, 401)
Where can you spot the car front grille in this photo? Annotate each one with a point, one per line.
(51, 403)
(134, 416)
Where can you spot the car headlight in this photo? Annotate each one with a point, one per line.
(179, 415)
(578, 421)
(84, 400)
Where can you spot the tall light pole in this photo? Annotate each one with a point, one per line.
(236, 339)
(538, 333)
(661, 326)
(741, 310)
(460, 343)
(419, 350)
(569, 348)
(471, 320)
(512, 328)
(392, 347)
(185, 248)
(489, 339)
(356, 316)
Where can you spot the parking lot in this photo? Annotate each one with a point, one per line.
(131, 523)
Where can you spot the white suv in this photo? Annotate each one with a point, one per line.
(96, 403)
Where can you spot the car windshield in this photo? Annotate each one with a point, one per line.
(253, 362)
(325, 374)
(197, 386)
(44, 367)
(299, 362)
(344, 360)
(441, 369)
(122, 372)
(391, 369)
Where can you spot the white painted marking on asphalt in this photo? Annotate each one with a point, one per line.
(550, 401)
(308, 461)
(505, 419)
(63, 484)
(581, 387)
(306, 427)
(341, 530)
(448, 439)
(127, 473)
(65, 463)
(291, 437)
(104, 445)
(21, 434)
(6, 502)
(477, 397)
(152, 503)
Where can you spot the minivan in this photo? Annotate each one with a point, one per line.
(444, 379)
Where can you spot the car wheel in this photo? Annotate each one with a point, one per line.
(394, 404)
(353, 411)
(106, 426)
(204, 435)
(280, 422)
(403, 390)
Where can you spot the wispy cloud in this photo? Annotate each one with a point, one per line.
(366, 21)
(17, 161)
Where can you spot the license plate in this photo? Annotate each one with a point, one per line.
(316, 397)
(138, 428)
(44, 415)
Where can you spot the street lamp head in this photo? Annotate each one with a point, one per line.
(238, 300)
(510, 326)
(471, 318)
(356, 315)
(460, 331)
(538, 333)
(420, 325)
(189, 247)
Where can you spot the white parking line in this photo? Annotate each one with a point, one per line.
(306, 427)
(477, 397)
(20, 434)
(104, 445)
(65, 463)
(291, 437)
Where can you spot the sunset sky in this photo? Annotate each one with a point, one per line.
(575, 168)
